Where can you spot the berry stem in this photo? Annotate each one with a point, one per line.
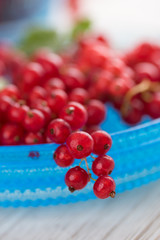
(92, 157)
(142, 87)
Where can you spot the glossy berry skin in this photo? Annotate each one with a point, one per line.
(11, 91)
(91, 129)
(80, 144)
(33, 138)
(57, 99)
(76, 178)
(16, 113)
(102, 142)
(34, 120)
(58, 131)
(5, 103)
(73, 78)
(96, 112)
(103, 165)
(79, 95)
(54, 83)
(134, 113)
(11, 134)
(104, 187)
(63, 157)
(147, 70)
(75, 114)
(32, 75)
(50, 62)
(153, 107)
(37, 93)
(43, 107)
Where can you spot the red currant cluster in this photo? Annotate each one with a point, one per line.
(48, 101)
(60, 99)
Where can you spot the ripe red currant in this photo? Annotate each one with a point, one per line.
(34, 120)
(79, 95)
(11, 134)
(102, 142)
(58, 130)
(103, 165)
(57, 99)
(50, 62)
(75, 114)
(63, 157)
(96, 112)
(16, 113)
(153, 107)
(76, 178)
(104, 187)
(11, 91)
(37, 93)
(54, 83)
(33, 138)
(80, 144)
(73, 78)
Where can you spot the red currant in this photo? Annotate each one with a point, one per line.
(33, 138)
(102, 142)
(73, 78)
(75, 114)
(153, 107)
(103, 165)
(96, 112)
(80, 144)
(58, 130)
(79, 95)
(63, 157)
(54, 83)
(11, 134)
(76, 178)
(104, 187)
(17, 112)
(34, 120)
(37, 93)
(57, 99)
(11, 91)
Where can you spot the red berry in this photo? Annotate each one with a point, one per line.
(63, 157)
(57, 99)
(33, 138)
(91, 129)
(80, 144)
(37, 93)
(11, 134)
(134, 112)
(31, 76)
(34, 120)
(16, 113)
(75, 114)
(147, 70)
(79, 95)
(43, 107)
(96, 112)
(103, 165)
(5, 103)
(153, 107)
(73, 78)
(54, 83)
(102, 142)
(50, 62)
(11, 91)
(104, 187)
(76, 178)
(58, 130)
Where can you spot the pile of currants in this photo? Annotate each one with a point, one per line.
(60, 98)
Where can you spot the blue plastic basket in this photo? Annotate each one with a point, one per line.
(29, 176)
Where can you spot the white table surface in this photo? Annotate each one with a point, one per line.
(133, 215)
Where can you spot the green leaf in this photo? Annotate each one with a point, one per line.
(37, 38)
(80, 28)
